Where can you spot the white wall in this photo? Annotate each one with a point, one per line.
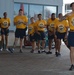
(8, 6)
(66, 2)
(58, 3)
(48, 2)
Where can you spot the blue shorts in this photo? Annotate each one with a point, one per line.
(60, 35)
(32, 38)
(40, 36)
(19, 33)
(4, 31)
(71, 39)
(50, 37)
(25, 31)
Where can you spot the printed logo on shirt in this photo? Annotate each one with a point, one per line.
(51, 27)
(61, 28)
(20, 21)
(41, 25)
(72, 21)
(30, 29)
(5, 23)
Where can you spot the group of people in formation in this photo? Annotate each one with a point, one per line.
(57, 29)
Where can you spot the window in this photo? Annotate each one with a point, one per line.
(31, 10)
(18, 6)
(67, 8)
(48, 10)
(35, 10)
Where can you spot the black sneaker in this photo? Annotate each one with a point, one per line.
(32, 51)
(21, 51)
(56, 53)
(39, 52)
(10, 49)
(71, 68)
(43, 51)
(59, 54)
(48, 52)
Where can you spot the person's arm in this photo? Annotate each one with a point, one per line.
(47, 27)
(64, 17)
(25, 22)
(8, 23)
(55, 30)
(36, 29)
(45, 24)
(15, 21)
(67, 27)
(0, 23)
(49, 32)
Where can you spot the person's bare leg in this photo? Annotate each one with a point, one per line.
(38, 46)
(72, 58)
(21, 42)
(49, 46)
(43, 45)
(2, 42)
(33, 46)
(24, 40)
(6, 41)
(58, 45)
(66, 43)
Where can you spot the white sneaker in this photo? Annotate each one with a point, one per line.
(13, 49)
(1, 49)
(43, 50)
(7, 49)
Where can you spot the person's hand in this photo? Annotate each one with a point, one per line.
(62, 18)
(38, 33)
(55, 36)
(50, 33)
(66, 37)
(32, 34)
(7, 28)
(20, 21)
(2, 30)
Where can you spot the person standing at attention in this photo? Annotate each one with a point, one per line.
(61, 32)
(51, 27)
(5, 23)
(40, 25)
(31, 32)
(20, 21)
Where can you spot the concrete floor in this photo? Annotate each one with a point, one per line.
(27, 63)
